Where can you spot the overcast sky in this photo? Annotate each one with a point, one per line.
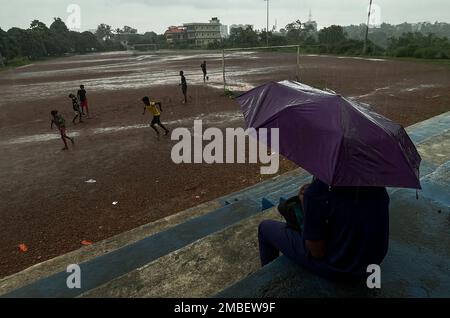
(156, 15)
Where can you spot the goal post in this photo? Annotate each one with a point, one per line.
(262, 48)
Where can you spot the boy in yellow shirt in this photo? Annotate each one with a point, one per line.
(151, 107)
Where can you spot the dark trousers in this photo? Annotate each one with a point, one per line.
(184, 90)
(275, 237)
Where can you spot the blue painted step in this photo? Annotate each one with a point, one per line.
(432, 127)
(257, 191)
(119, 262)
(272, 199)
(436, 185)
(266, 188)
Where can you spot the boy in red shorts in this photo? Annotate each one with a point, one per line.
(83, 100)
(59, 121)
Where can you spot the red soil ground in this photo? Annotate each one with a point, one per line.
(46, 203)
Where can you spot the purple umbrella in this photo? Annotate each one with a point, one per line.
(336, 139)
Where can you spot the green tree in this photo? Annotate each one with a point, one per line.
(60, 39)
(58, 26)
(243, 38)
(332, 35)
(104, 32)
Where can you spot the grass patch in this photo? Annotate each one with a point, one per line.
(16, 62)
(230, 94)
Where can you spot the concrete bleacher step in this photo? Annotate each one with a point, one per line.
(270, 196)
(436, 185)
(106, 267)
(429, 128)
(264, 188)
(200, 269)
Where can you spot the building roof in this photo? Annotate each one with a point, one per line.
(176, 29)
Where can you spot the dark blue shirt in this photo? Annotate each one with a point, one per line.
(82, 94)
(183, 81)
(353, 221)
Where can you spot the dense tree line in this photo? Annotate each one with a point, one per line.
(396, 41)
(330, 40)
(382, 34)
(424, 40)
(39, 41)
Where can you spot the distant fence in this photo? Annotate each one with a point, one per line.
(145, 47)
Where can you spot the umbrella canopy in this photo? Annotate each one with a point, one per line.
(336, 139)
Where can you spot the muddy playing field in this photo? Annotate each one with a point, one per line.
(52, 200)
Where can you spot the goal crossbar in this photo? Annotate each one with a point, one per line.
(261, 48)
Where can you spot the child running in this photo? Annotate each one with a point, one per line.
(83, 100)
(151, 107)
(76, 109)
(60, 123)
(205, 72)
(183, 86)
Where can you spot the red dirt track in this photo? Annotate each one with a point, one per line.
(45, 201)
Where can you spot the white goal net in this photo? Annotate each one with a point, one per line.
(242, 67)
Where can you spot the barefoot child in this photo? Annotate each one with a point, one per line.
(83, 100)
(60, 123)
(205, 72)
(76, 109)
(183, 86)
(151, 107)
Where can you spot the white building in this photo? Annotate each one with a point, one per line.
(202, 34)
(224, 31)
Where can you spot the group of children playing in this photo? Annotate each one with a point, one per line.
(80, 107)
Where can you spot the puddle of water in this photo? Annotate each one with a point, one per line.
(37, 138)
(209, 119)
(141, 71)
(371, 93)
(139, 79)
(24, 66)
(362, 58)
(418, 88)
(117, 129)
